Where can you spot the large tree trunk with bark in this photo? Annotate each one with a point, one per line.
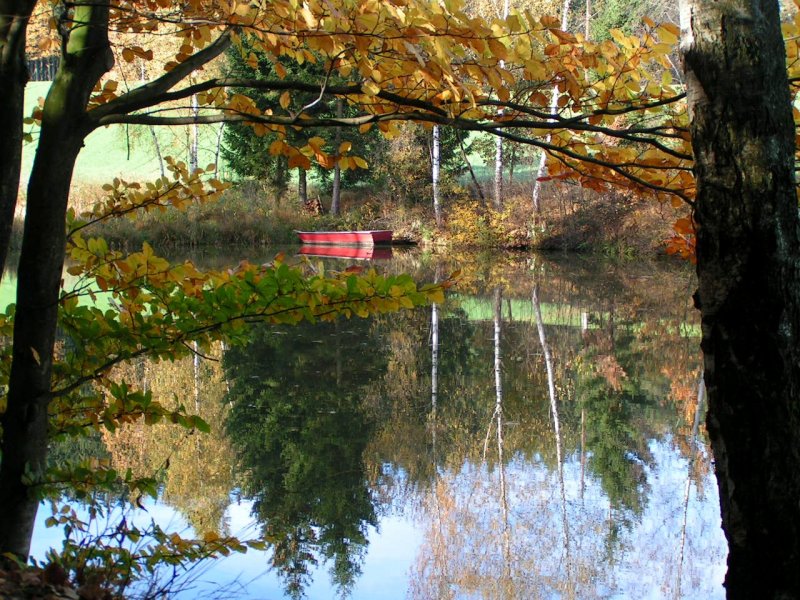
(64, 127)
(747, 263)
(14, 17)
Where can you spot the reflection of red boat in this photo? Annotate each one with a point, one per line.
(352, 252)
(351, 238)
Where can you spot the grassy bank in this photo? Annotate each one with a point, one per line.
(616, 226)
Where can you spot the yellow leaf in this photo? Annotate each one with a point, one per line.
(345, 147)
(498, 49)
(210, 536)
(367, 22)
(668, 33)
(285, 100)
(316, 143)
(299, 161)
(370, 88)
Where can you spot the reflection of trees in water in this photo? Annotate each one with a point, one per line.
(564, 541)
(338, 424)
(196, 469)
(466, 555)
(300, 431)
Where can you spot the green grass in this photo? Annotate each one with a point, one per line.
(480, 308)
(123, 151)
(514, 309)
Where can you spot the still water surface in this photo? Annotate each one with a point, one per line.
(538, 435)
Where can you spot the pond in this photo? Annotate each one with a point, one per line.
(538, 435)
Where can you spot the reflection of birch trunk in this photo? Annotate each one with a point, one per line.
(338, 346)
(551, 389)
(584, 331)
(701, 395)
(498, 415)
(498, 363)
(196, 363)
(434, 373)
(439, 543)
(583, 451)
(540, 172)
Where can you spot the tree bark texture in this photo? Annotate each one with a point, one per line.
(747, 263)
(14, 16)
(86, 57)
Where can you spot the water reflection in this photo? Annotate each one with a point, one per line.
(300, 430)
(540, 431)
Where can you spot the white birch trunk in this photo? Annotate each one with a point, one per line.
(435, 167)
(498, 155)
(542, 169)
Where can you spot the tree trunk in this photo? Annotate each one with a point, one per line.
(194, 144)
(435, 167)
(14, 16)
(302, 186)
(498, 150)
(747, 264)
(157, 148)
(541, 170)
(64, 127)
(336, 192)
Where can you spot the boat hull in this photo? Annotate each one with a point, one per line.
(346, 238)
(346, 252)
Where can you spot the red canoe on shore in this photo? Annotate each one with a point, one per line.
(347, 238)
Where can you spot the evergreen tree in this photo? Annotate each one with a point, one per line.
(248, 154)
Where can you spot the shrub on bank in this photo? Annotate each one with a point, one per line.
(571, 219)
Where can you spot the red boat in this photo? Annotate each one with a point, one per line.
(347, 252)
(347, 238)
